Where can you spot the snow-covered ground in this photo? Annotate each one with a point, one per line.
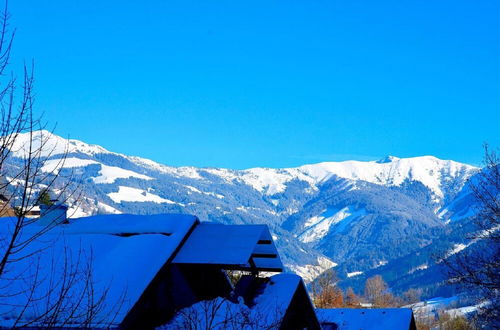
(108, 174)
(450, 305)
(319, 226)
(129, 194)
(310, 272)
(353, 274)
(196, 190)
(51, 145)
(433, 305)
(55, 165)
(420, 267)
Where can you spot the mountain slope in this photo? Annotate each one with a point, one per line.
(356, 214)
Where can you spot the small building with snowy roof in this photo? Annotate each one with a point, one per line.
(366, 319)
(139, 271)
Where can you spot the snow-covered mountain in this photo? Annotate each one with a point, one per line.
(355, 214)
(392, 171)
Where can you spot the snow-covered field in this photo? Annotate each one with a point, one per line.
(128, 194)
(450, 305)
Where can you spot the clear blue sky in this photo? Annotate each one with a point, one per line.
(267, 83)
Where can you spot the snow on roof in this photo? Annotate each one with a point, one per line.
(366, 319)
(277, 295)
(125, 253)
(219, 313)
(128, 223)
(234, 246)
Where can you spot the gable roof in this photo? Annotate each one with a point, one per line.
(126, 252)
(248, 247)
(367, 319)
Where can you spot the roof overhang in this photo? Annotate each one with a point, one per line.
(237, 247)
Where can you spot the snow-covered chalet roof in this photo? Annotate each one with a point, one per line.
(124, 252)
(249, 247)
(367, 319)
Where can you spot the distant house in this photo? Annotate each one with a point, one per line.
(366, 319)
(5, 209)
(55, 213)
(31, 212)
(148, 270)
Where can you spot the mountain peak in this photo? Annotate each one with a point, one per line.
(390, 170)
(50, 144)
(387, 159)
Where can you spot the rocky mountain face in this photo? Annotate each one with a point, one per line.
(360, 216)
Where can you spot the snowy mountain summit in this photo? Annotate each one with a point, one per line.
(387, 159)
(432, 172)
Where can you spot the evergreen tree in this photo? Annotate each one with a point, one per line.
(44, 198)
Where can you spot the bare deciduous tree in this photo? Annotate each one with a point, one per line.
(478, 268)
(351, 299)
(377, 292)
(411, 296)
(57, 294)
(325, 293)
(220, 313)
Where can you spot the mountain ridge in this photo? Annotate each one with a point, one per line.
(315, 211)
